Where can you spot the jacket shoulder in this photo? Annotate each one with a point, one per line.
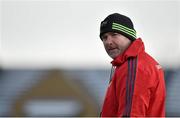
(148, 65)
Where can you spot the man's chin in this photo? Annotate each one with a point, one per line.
(113, 56)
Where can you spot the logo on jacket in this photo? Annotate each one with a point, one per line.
(158, 66)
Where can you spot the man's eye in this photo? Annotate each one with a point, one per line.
(104, 37)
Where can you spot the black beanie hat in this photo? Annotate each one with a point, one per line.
(118, 23)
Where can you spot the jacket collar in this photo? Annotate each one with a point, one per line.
(133, 50)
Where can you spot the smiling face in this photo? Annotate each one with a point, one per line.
(115, 43)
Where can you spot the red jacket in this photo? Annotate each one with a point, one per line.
(137, 87)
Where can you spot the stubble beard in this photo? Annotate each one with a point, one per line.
(113, 54)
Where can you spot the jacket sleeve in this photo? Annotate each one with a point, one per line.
(157, 101)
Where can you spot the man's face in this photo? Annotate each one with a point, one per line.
(115, 43)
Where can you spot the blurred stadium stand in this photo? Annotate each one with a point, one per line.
(172, 78)
(66, 92)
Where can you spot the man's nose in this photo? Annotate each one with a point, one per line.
(109, 40)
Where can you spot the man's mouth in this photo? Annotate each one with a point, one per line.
(111, 49)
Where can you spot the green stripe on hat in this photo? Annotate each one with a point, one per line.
(124, 29)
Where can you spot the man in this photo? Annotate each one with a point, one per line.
(137, 87)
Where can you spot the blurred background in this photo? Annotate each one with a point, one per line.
(52, 62)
